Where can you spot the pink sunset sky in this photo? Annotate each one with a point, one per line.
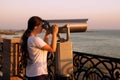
(101, 14)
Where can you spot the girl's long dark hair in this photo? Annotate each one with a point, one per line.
(32, 22)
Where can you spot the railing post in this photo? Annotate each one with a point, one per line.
(9, 58)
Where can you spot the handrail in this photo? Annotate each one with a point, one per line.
(95, 67)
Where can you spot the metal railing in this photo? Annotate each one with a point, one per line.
(86, 66)
(94, 67)
(90, 67)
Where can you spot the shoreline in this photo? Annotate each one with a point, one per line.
(10, 32)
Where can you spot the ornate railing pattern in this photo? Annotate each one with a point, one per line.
(86, 66)
(51, 66)
(94, 67)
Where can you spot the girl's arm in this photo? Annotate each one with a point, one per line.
(52, 47)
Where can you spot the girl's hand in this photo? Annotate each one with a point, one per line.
(55, 29)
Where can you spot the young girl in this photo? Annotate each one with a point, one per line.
(35, 49)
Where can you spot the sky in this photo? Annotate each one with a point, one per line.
(101, 14)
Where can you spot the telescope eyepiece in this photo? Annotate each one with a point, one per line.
(47, 26)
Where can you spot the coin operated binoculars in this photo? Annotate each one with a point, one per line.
(64, 53)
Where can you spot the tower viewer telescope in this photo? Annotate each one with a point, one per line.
(76, 25)
(66, 26)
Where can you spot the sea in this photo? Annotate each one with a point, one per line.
(99, 42)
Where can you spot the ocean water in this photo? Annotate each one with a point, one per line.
(100, 42)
